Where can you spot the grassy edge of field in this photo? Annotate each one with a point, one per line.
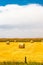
(20, 63)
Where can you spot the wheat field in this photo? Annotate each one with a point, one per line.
(32, 51)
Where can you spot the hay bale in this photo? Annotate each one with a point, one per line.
(7, 42)
(14, 40)
(31, 41)
(21, 45)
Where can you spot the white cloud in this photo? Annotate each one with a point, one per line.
(21, 21)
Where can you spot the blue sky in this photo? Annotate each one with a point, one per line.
(20, 2)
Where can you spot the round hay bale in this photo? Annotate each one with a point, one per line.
(7, 42)
(14, 40)
(21, 45)
(31, 41)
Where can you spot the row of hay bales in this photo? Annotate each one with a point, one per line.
(21, 45)
(21, 39)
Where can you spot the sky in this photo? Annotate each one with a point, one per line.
(21, 18)
(20, 2)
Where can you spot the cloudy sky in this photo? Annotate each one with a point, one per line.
(21, 18)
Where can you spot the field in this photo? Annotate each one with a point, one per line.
(11, 52)
(20, 63)
(32, 51)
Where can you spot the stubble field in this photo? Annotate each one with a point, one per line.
(12, 53)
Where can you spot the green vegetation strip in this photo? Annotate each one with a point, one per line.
(20, 63)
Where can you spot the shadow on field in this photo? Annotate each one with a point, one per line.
(20, 63)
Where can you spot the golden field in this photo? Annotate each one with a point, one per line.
(12, 52)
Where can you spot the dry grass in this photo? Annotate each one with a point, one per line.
(12, 52)
(20, 63)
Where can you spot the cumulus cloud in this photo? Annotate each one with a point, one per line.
(21, 21)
